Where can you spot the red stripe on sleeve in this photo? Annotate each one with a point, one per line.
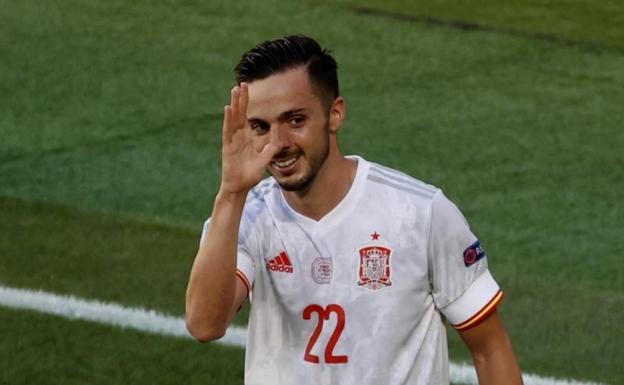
(243, 278)
(483, 313)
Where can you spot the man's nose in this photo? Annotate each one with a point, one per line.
(280, 136)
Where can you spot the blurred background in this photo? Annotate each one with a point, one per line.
(110, 118)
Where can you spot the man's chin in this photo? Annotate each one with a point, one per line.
(293, 184)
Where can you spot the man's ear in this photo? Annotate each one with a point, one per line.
(337, 114)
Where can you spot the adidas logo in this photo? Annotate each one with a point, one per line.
(281, 263)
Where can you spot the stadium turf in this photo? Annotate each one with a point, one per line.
(39, 349)
(110, 116)
(581, 22)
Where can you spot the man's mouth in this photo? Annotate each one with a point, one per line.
(285, 163)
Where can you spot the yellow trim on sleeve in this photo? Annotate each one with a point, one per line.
(483, 313)
(243, 278)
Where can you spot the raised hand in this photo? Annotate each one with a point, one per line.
(244, 158)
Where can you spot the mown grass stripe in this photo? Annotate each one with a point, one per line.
(471, 25)
(151, 321)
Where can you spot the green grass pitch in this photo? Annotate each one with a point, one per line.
(109, 158)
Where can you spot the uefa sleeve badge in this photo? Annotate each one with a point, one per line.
(473, 254)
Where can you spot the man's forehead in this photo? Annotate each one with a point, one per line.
(281, 92)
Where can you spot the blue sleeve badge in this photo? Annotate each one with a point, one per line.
(473, 254)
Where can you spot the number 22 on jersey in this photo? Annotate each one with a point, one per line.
(323, 315)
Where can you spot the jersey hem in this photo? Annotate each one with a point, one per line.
(244, 279)
(483, 313)
(472, 302)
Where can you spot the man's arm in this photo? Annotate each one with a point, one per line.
(492, 353)
(214, 293)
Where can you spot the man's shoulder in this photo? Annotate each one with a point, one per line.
(400, 182)
(256, 213)
(261, 190)
(258, 197)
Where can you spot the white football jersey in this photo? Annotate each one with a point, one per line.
(360, 296)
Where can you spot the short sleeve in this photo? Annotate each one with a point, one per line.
(462, 286)
(244, 261)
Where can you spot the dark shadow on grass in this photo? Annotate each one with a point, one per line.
(193, 121)
(466, 25)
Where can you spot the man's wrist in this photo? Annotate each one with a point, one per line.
(228, 206)
(229, 197)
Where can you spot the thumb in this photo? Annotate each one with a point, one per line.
(267, 153)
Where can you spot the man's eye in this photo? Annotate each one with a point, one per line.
(260, 127)
(297, 121)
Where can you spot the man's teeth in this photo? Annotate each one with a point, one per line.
(286, 163)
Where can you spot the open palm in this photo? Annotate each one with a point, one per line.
(243, 163)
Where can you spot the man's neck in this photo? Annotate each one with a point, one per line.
(328, 189)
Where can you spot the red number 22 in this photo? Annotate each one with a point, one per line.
(323, 314)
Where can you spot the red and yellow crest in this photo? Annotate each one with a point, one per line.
(374, 268)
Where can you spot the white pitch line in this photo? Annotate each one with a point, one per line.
(107, 313)
(154, 322)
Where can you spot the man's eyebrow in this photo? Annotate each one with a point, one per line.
(282, 116)
(286, 114)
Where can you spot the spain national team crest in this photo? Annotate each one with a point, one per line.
(374, 267)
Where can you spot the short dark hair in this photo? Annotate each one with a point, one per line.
(272, 57)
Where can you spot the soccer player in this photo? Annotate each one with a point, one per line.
(352, 268)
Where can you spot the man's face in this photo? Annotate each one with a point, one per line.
(284, 108)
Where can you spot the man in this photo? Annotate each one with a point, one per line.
(352, 268)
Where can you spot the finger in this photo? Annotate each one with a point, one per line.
(267, 153)
(234, 100)
(227, 126)
(244, 99)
